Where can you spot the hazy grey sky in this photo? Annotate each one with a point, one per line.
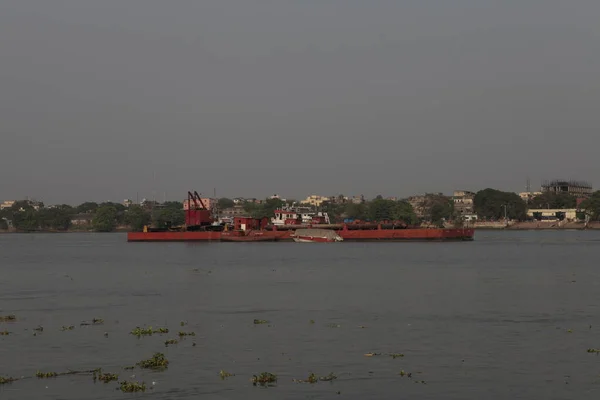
(295, 96)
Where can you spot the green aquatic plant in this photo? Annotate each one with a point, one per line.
(158, 361)
(264, 379)
(129, 367)
(8, 318)
(183, 334)
(138, 331)
(4, 381)
(108, 377)
(67, 328)
(328, 378)
(593, 350)
(183, 323)
(312, 321)
(260, 321)
(131, 387)
(224, 374)
(42, 375)
(171, 341)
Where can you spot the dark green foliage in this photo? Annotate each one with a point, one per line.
(489, 204)
(105, 218)
(224, 202)
(136, 217)
(592, 206)
(553, 200)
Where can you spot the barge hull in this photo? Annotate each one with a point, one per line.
(397, 235)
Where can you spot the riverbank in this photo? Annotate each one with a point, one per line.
(536, 225)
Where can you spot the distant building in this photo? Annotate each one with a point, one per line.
(358, 199)
(207, 202)
(570, 214)
(572, 187)
(127, 202)
(235, 211)
(7, 204)
(420, 203)
(463, 203)
(527, 196)
(315, 200)
(84, 219)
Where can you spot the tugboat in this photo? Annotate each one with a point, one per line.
(316, 236)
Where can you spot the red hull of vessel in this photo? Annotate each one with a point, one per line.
(347, 235)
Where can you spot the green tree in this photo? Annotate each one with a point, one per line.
(356, 211)
(56, 218)
(26, 220)
(553, 200)
(491, 203)
(3, 224)
(404, 211)
(166, 217)
(380, 209)
(105, 218)
(87, 207)
(265, 209)
(137, 217)
(224, 203)
(591, 206)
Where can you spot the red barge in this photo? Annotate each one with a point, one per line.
(201, 226)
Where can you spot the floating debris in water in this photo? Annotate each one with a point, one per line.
(67, 328)
(4, 381)
(569, 330)
(42, 375)
(362, 326)
(147, 331)
(107, 377)
(396, 355)
(8, 318)
(312, 321)
(183, 323)
(260, 321)
(328, 378)
(171, 341)
(372, 354)
(129, 367)
(131, 387)
(158, 361)
(224, 374)
(593, 350)
(313, 378)
(39, 329)
(95, 321)
(264, 379)
(183, 334)
(5, 333)
(334, 326)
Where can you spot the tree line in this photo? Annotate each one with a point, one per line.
(103, 217)
(489, 204)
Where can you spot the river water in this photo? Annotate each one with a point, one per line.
(509, 315)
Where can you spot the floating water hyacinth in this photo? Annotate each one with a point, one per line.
(158, 361)
(131, 387)
(224, 374)
(264, 379)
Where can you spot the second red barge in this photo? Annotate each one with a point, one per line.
(200, 226)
